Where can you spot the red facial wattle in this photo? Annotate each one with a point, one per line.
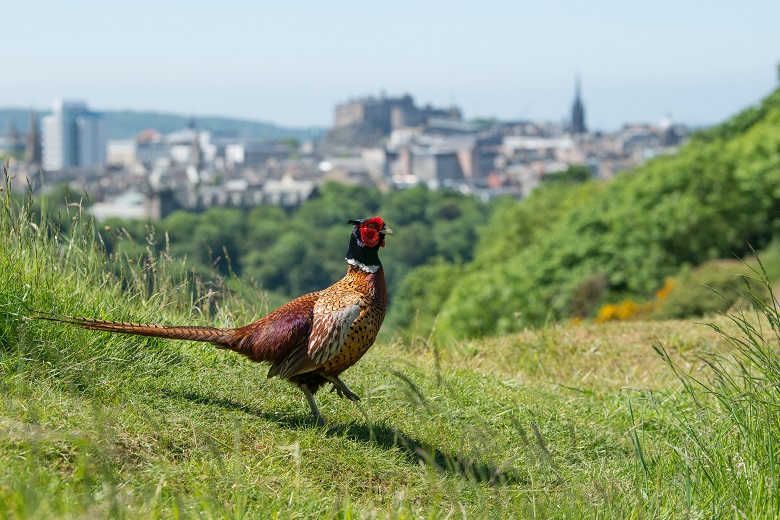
(370, 237)
(369, 231)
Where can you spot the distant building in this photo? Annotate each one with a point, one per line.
(578, 112)
(363, 121)
(151, 146)
(130, 205)
(92, 138)
(437, 168)
(254, 154)
(32, 151)
(163, 200)
(73, 137)
(121, 153)
(59, 144)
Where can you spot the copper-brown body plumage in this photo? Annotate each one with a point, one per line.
(312, 339)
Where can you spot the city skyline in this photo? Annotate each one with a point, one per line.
(292, 64)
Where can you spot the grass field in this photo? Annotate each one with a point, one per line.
(637, 420)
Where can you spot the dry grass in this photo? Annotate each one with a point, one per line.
(595, 357)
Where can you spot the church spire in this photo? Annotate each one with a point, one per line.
(578, 111)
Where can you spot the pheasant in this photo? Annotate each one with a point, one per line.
(309, 341)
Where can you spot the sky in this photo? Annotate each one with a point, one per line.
(290, 62)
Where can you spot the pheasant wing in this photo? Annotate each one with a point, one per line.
(333, 317)
(334, 313)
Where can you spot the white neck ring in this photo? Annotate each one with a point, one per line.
(361, 266)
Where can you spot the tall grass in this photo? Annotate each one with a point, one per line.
(726, 415)
(62, 391)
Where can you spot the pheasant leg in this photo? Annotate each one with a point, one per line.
(313, 405)
(342, 389)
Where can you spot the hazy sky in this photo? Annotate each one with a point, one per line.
(291, 61)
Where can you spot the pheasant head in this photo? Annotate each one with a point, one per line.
(367, 237)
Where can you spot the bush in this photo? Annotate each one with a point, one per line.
(715, 286)
(709, 288)
(623, 311)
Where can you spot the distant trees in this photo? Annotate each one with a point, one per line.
(571, 175)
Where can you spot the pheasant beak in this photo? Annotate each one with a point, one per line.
(385, 231)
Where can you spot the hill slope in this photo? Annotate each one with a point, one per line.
(126, 124)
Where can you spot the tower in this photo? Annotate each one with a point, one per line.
(32, 150)
(91, 135)
(73, 137)
(578, 111)
(196, 153)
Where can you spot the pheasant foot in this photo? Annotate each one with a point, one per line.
(342, 389)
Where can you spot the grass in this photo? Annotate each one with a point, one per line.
(588, 421)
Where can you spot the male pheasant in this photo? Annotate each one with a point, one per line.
(309, 341)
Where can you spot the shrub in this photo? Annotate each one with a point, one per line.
(715, 286)
(622, 311)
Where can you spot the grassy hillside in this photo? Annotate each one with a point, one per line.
(582, 422)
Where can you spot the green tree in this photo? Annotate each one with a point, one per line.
(403, 207)
(571, 175)
(421, 295)
(219, 239)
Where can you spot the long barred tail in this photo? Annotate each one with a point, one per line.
(207, 334)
